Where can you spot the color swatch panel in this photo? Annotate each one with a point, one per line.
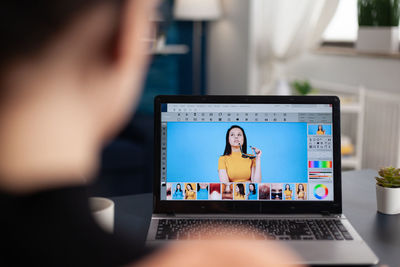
(319, 164)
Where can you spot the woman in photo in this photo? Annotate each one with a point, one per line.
(320, 130)
(178, 194)
(189, 192)
(288, 192)
(232, 165)
(301, 193)
(252, 192)
(239, 192)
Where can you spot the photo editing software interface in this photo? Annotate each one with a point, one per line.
(246, 152)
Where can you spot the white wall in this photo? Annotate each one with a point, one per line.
(228, 50)
(374, 73)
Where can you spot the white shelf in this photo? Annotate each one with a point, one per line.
(351, 108)
(349, 161)
(171, 49)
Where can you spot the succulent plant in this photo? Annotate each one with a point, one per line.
(390, 177)
(302, 87)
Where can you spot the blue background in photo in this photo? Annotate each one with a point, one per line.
(312, 128)
(193, 150)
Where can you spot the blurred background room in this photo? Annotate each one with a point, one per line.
(348, 48)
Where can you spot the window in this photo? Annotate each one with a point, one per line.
(344, 24)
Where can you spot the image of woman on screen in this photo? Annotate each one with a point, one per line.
(239, 192)
(320, 130)
(235, 165)
(301, 193)
(288, 192)
(252, 192)
(178, 194)
(189, 192)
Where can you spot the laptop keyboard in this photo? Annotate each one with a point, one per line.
(273, 229)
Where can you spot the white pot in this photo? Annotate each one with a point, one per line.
(378, 39)
(388, 200)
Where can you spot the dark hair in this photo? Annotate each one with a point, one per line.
(298, 188)
(241, 189)
(26, 26)
(228, 149)
(252, 191)
(189, 185)
(321, 127)
(180, 187)
(287, 185)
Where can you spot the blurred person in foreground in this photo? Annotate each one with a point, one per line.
(70, 72)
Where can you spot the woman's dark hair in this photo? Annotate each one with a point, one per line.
(180, 188)
(320, 126)
(254, 191)
(241, 189)
(286, 186)
(298, 188)
(228, 149)
(191, 188)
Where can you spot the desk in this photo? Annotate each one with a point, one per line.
(381, 232)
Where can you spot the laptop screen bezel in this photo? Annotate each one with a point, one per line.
(243, 207)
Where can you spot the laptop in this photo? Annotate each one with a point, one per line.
(270, 163)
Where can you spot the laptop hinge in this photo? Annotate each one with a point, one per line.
(325, 213)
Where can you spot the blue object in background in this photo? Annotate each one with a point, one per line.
(193, 150)
(313, 128)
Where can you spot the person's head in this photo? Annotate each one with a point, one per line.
(252, 188)
(320, 128)
(178, 187)
(189, 187)
(70, 76)
(240, 189)
(287, 187)
(300, 188)
(235, 136)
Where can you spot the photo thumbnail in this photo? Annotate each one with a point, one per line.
(276, 191)
(215, 191)
(202, 191)
(264, 191)
(227, 190)
(190, 193)
(301, 191)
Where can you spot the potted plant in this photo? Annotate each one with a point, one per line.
(378, 29)
(302, 87)
(388, 190)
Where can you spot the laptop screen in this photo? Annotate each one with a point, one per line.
(246, 152)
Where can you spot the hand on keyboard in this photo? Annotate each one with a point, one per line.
(217, 253)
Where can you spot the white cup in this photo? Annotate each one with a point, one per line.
(103, 212)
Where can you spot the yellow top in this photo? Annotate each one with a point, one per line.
(288, 194)
(190, 195)
(239, 196)
(301, 195)
(320, 132)
(237, 168)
